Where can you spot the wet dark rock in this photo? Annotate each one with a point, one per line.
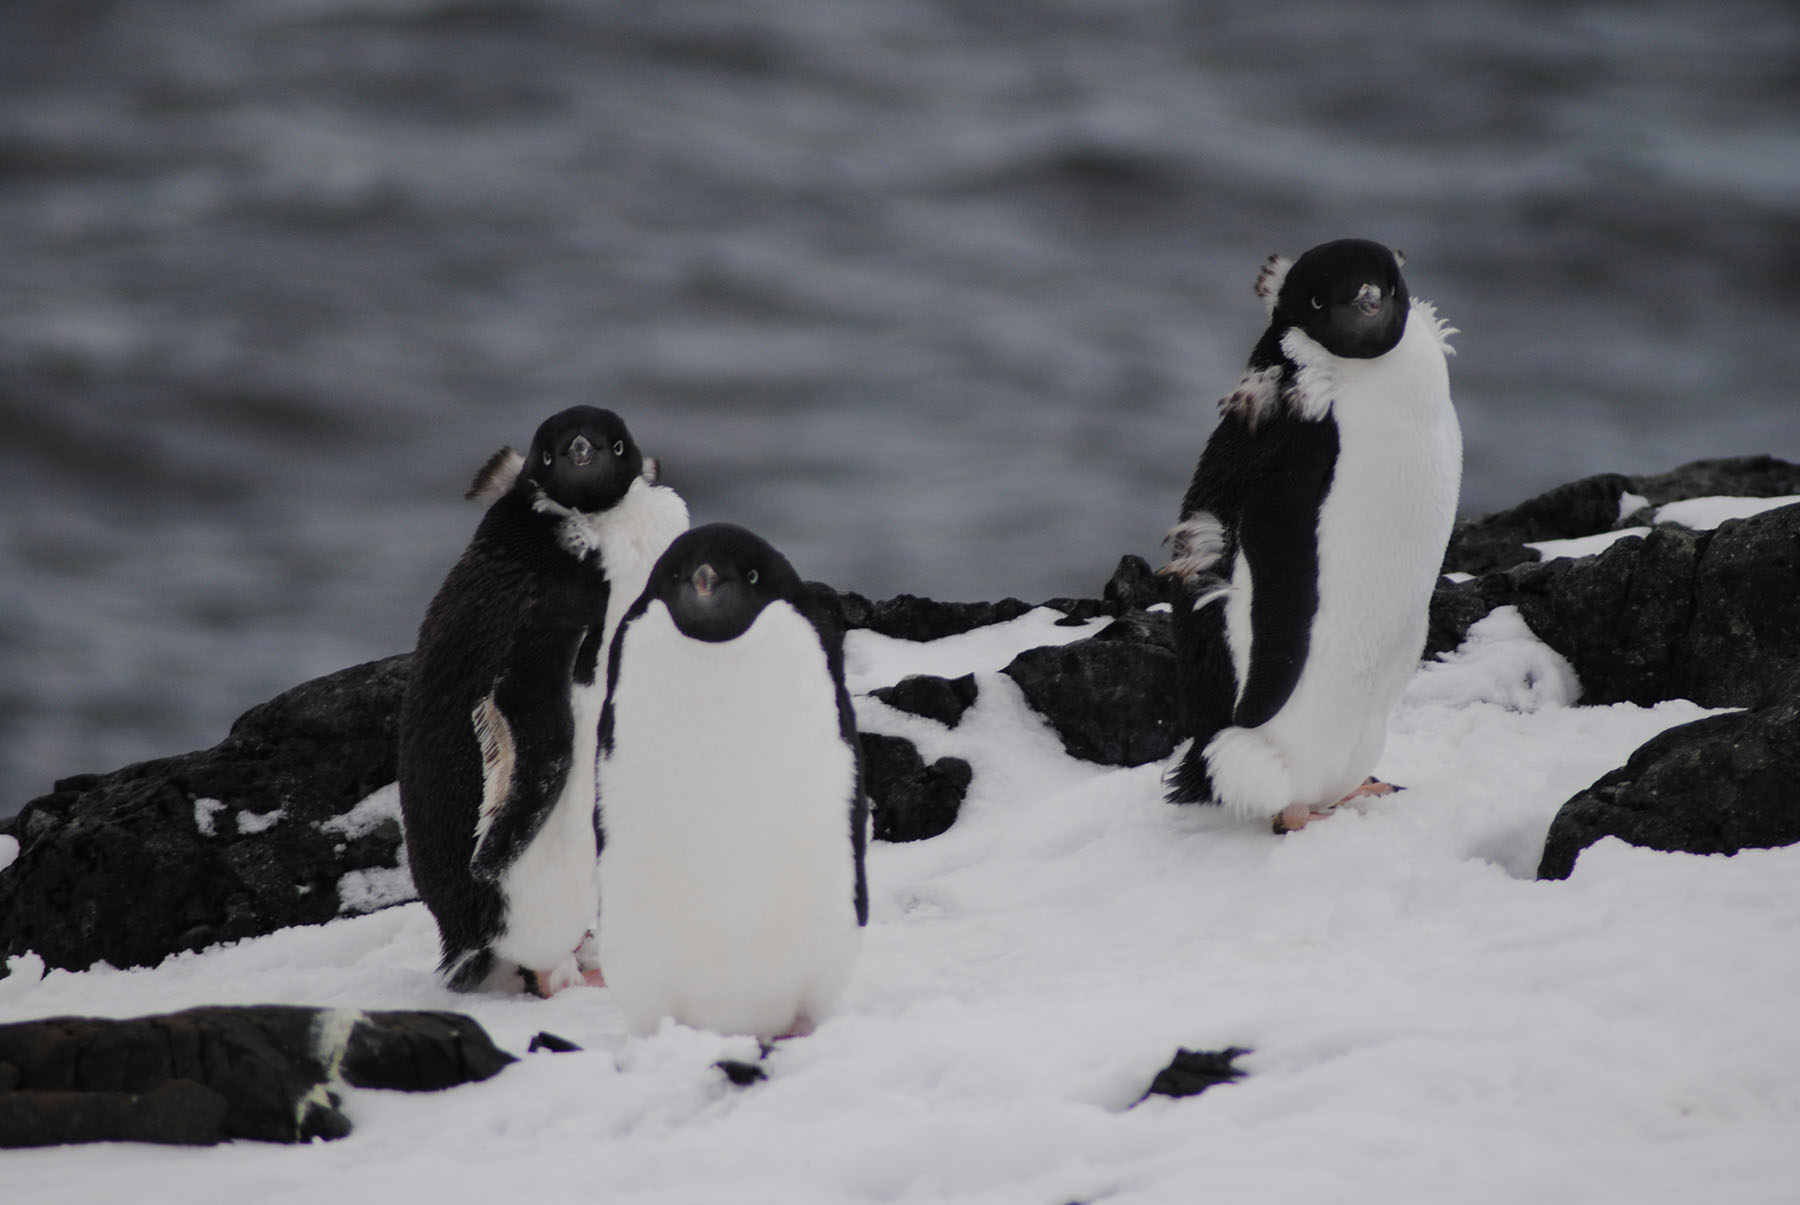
(1192, 1072)
(909, 617)
(741, 1074)
(1111, 697)
(119, 867)
(1594, 504)
(941, 699)
(1135, 586)
(1715, 786)
(909, 800)
(273, 1073)
(1712, 616)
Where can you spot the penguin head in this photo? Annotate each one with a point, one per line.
(1348, 296)
(715, 581)
(582, 458)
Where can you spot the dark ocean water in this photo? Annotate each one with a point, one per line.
(937, 296)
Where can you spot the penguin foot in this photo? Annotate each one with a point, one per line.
(566, 974)
(1296, 816)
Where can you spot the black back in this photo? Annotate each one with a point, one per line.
(715, 580)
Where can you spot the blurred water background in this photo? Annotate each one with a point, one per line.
(936, 295)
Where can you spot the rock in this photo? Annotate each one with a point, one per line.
(1192, 1072)
(206, 1075)
(231, 842)
(1135, 586)
(1111, 697)
(909, 617)
(940, 699)
(1715, 786)
(1712, 616)
(910, 801)
(1599, 504)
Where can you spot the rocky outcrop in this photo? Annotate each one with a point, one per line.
(237, 840)
(265, 830)
(1111, 697)
(273, 1073)
(1608, 502)
(1715, 786)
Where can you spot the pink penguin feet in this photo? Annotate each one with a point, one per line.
(1296, 816)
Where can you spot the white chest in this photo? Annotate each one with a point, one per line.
(727, 880)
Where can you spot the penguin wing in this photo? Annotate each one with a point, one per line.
(525, 728)
(1277, 532)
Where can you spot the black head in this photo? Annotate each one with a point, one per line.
(717, 579)
(582, 458)
(1349, 296)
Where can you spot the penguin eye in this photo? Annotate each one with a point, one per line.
(1317, 304)
(547, 456)
(618, 447)
(750, 577)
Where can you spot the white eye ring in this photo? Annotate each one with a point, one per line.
(618, 447)
(1317, 304)
(547, 456)
(750, 577)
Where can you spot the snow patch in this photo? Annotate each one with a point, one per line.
(1704, 514)
(1579, 546)
(368, 814)
(250, 823)
(206, 812)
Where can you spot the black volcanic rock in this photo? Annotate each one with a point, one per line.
(1715, 786)
(1597, 504)
(206, 1075)
(1192, 1072)
(1111, 697)
(1134, 586)
(909, 617)
(120, 867)
(940, 699)
(909, 800)
(1712, 616)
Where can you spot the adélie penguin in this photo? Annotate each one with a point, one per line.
(732, 816)
(1310, 540)
(499, 725)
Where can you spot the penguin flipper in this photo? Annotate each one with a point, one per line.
(525, 761)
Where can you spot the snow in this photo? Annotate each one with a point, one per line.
(1427, 1022)
(1704, 514)
(206, 816)
(1578, 546)
(9, 851)
(250, 823)
(1700, 514)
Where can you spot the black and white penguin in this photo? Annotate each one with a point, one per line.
(499, 726)
(1311, 537)
(732, 816)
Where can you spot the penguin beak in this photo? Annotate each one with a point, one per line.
(582, 452)
(1367, 300)
(705, 581)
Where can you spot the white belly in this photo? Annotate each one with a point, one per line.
(727, 881)
(549, 888)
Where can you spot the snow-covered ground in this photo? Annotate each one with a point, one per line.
(1427, 1022)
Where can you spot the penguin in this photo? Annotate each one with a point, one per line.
(1310, 539)
(732, 817)
(499, 724)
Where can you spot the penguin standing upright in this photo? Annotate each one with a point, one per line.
(499, 726)
(1311, 537)
(732, 815)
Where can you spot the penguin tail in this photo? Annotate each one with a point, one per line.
(1187, 779)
